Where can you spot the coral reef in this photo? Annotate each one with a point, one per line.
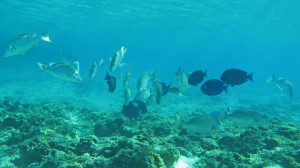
(54, 134)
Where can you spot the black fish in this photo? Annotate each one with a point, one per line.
(164, 87)
(236, 77)
(213, 87)
(111, 82)
(134, 109)
(196, 77)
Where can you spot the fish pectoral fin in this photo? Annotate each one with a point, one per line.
(12, 48)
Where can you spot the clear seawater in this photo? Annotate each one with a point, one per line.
(257, 36)
(261, 36)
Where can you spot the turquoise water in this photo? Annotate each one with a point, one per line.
(262, 37)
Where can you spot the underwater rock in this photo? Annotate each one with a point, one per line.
(248, 142)
(290, 132)
(271, 144)
(209, 144)
(108, 127)
(169, 156)
(135, 154)
(32, 151)
(87, 144)
(134, 109)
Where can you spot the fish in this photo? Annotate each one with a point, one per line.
(127, 77)
(68, 59)
(196, 77)
(101, 62)
(134, 109)
(143, 95)
(143, 81)
(203, 125)
(24, 42)
(236, 76)
(93, 70)
(246, 117)
(126, 95)
(116, 60)
(165, 88)
(111, 82)
(182, 79)
(62, 71)
(217, 115)
(213, 87)
(157, 91)
(286, 87)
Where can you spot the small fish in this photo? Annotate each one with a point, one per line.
(236, 77)
(285, 86)
(116, 60)
(24, 42)
(127, 77)
(93, 70)
(213, 87)
(196, 77)
(111, 82)
(62, 71)
(143, 81)
(126, 95)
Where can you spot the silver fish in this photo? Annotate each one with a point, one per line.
(62, 71)
(116, 60)
(143, 81)
(286, 87)
(182, 79)
(127, 78)
(157, 91)
(143, 95)
(22, 43)
(126, 95)
(93, 70)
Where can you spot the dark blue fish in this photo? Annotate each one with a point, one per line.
(213, 87)
(111, 82)
(236, 77)
(196, 77)
(134, 109)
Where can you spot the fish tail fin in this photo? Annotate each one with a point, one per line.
(250, 77)
(205, 73)
(272, 78)
(45, 36)
(41, 66)
(225, 88)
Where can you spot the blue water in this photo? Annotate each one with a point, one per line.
(257, 36)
